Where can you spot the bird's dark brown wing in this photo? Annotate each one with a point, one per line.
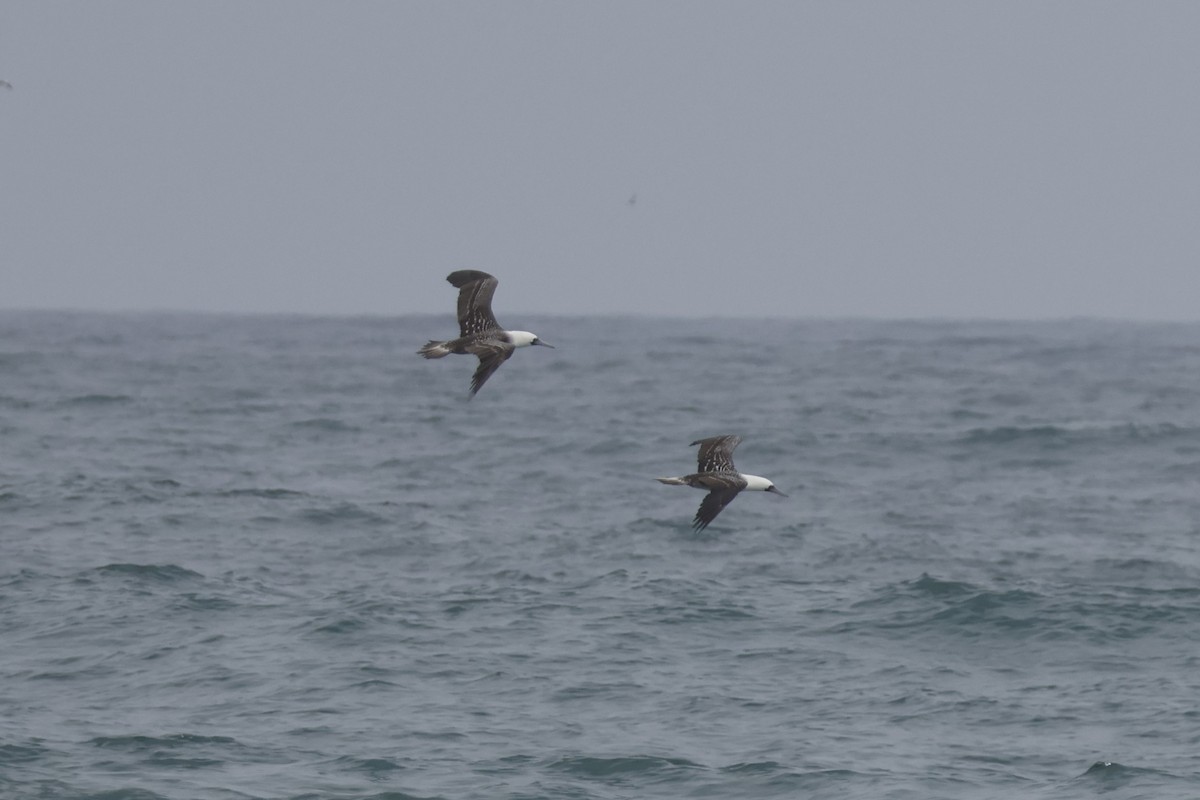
(716, 453)
(712, 504)
(491, 355)
(475, 290)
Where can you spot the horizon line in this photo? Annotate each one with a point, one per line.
(603, 315)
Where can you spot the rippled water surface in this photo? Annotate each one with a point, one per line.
(285, 558)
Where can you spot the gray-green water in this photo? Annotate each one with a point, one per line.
(285, 558)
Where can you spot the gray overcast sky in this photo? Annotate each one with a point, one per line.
(885, 159)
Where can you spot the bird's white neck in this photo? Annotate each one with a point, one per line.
(755, 482)
(521, 338)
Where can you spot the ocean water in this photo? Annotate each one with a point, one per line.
(284, 557)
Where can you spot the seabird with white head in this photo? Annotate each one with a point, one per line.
(479, 333)
(716, 473)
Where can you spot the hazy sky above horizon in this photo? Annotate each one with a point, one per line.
(947, 159)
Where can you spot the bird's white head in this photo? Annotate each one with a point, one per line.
(760, 484)
(525, 339)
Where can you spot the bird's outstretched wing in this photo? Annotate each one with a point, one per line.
(712, 504)
(491, 355)
(716, 454)
(475, 290)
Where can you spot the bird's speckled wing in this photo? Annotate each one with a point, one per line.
(492, 354)
(712, 504)
(716, 453)
(475, 290)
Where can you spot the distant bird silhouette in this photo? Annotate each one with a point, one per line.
(480, 334)
(5, 85)
(716, 473)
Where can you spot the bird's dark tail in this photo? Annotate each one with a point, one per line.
(435, 350)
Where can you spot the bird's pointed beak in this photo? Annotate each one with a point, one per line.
(543, 344)
(773, 490)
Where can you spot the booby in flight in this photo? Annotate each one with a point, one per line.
(479, 334)
(716, 473)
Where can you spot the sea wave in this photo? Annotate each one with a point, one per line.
(1057, 435)
(149, 573)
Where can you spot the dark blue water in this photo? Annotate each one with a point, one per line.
(285, 558)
